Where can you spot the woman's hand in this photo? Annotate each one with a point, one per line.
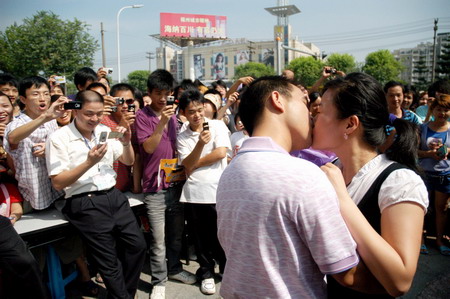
(334, 175)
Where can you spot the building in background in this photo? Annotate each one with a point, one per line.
(196, 46)
(418, 61)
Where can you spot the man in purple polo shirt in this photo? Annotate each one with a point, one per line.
(156, 131)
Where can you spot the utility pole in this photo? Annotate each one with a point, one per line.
(150, 56)
(433, 66)
(103, 45)
(250, 50)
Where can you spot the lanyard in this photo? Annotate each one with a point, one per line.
(87, 143)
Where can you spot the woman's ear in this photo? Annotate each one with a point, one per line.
(352, 124)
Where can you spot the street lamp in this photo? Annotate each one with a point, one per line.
(118, 38)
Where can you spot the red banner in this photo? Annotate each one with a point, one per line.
(189, 25)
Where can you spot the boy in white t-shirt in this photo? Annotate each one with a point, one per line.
(202, 150)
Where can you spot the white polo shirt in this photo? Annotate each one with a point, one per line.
(201, 185)
(67, 148)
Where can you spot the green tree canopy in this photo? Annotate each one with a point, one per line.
(46, 45)
(307, 69)
(253, 69)
(138, 79)
(342, 62)
(443, 63)
(383, 66)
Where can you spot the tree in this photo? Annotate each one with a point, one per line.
(253, 69)
(443, 64)
(422, 71)
(383, 66)
(307, 69)
(342, 62)
(46, 45)
(138, 79)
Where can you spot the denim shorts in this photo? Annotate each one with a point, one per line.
(439, 183)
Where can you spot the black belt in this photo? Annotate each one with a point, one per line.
(92, 193)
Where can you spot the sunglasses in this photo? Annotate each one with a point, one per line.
(120, 101)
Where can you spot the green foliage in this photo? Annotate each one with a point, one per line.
(443, 63)
(253, 69)
(138, 79)
(342, 62)
(383, 66)
(46, 45)
(307, 69)
(421, 70)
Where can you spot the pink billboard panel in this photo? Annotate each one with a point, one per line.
(190, 25)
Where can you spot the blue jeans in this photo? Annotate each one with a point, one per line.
(166, 218)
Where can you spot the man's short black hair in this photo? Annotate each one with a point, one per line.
(189, 96)
(160, 79)
(29, 82)
(121, 87)
(97, 84)
(255, 97)
(8, 79)
(391, 84)
(83, 75)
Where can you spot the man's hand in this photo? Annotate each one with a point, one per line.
(97, 153)
(246, 80)
(167, 113)
(129, 118)
(101, 73)
(205, 137)
(126, 138)
(232, 98)
(38, 150)
(56, 109)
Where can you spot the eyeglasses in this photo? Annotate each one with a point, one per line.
(120, 101)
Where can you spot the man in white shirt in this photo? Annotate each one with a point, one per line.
(81, 162)
(202, 150)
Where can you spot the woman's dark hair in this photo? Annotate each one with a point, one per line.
(5, 95)
(361, 95)
(313, 97)
(139, 96)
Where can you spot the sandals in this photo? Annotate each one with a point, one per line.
(423, 249)
(444, 250)
(89, 288)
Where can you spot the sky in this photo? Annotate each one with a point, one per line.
(356, 27)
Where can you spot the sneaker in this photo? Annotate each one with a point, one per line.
(184, 277)
(158, 292)
(208, 286)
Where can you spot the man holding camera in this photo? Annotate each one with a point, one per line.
(156, 129)
(25, 140)
(123, 114)
(81, 164)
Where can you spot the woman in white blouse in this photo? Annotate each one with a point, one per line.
(382, 202)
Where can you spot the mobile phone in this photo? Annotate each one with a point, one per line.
(119, 101)
(170, 100)
(442, 151)
(102, 138)
(205, 126)
(60, 79)
(331, 70)
(108, 70)
(72, 105)
(113, 108)
(132, 108)
(36, 147)
(115, 135)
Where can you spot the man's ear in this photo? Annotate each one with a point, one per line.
(23, 100)
(276, 101)
(352, 124)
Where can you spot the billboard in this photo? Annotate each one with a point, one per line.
(219, 65)
(199, 71)
(190, 25)
(242, 57)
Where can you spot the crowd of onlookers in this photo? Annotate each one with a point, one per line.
(220, 164)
